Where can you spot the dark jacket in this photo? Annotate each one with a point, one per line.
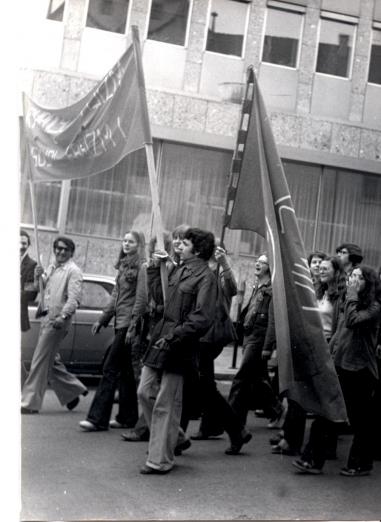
(129, 284)
(27, 295)
(188, 313)
(261, 324)
(354, 345)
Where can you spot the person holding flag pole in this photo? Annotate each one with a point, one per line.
(259, 200)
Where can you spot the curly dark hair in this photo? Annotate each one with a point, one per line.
(372, 288)
(317, 253)
(337, 288)
(67, 241)
(203, 242)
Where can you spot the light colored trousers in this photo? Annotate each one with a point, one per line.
(160, 395)
(47, 368)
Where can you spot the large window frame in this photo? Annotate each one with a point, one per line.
(115, 33)
(244, 39)
(291, 9)
(376, 28)
(187, 29)
(336, 18)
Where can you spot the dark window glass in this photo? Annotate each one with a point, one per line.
(335, 48)
(282, 37)
(108, 15)
(168, 21)
(375, 59)
(56, 10)
(226, 27)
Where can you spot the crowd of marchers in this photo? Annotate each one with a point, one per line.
(171, 313)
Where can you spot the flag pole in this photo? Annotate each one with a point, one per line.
(158, 223)
(34, 216)
(33, 205)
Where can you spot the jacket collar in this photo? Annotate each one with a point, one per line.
(194, 266)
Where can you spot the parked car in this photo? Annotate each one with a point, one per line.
(81, 352)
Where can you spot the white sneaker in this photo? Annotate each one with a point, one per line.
(88, 426)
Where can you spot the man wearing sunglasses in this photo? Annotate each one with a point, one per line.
(63, 286)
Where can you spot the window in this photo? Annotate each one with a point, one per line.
(283, 31)
(108, 15)
(375, 59)
(47, 197)
(94, 296)
(56, 10)
(168, 21)
(335, 48)
(109, 203)
(227, 23)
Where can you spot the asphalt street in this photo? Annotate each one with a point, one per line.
(68, 474)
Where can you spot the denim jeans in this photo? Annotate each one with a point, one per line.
(117, 370)
(160, 396)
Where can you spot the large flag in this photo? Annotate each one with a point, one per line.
(93, 134)
(259, 200)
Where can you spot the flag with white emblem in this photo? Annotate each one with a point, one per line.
(259, 200)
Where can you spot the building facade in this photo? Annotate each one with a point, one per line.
(318, 63)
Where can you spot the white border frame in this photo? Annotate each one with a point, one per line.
(246, 26)
(187, 30)
(64, 17)
(117, 35)
(303, 20)
(370, 54)
(355, 26)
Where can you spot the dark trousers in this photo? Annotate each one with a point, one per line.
(217, 414)
(294, 426)
(252, 379)
(117, 370)
(358, 390)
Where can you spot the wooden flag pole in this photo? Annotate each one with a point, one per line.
(34, 210)
(158, 223)
(34, 215)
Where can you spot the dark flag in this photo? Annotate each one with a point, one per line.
(259, 200)
(93, 134)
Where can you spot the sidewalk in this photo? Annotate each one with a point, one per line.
(223, 364)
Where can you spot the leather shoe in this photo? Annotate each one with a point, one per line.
(132, 436)
(147, 470)
(27, 411)
(186, 444)
(236, 446)
(74, 403)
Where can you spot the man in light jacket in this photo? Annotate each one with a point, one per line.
(63, 287)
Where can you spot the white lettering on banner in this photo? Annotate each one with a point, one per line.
(48, 123)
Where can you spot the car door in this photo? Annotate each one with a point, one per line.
(30, 337)
(88, 351)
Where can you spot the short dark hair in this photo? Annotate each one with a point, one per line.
(203, 242)
(317, 253)
(68, 242)
(25, 234)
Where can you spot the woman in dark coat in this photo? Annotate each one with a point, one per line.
(128, 301)
(354, 351)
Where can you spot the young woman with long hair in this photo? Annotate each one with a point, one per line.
(117, 369)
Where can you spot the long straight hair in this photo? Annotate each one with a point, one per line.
(336, 289)
(140, 239)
